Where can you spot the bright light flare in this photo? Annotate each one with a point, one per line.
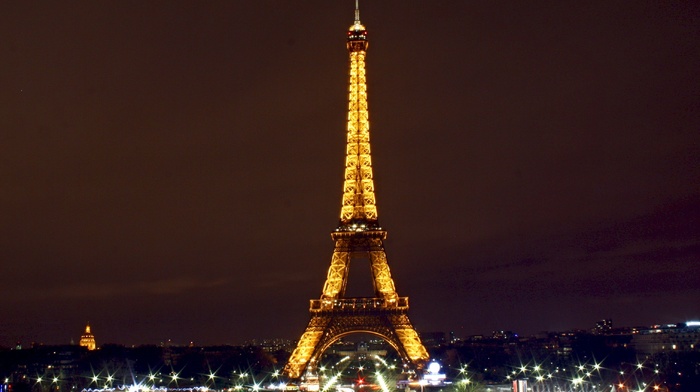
(331, 382)
(380, 359)
(382, 383)
(137, 388)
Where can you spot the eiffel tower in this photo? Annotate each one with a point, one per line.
(334, 315)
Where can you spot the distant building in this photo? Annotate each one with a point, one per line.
(603, 327)
(432, 339)
(361, 350)
(683, 337)
(88, 339)
(504, 335)
(272, 345)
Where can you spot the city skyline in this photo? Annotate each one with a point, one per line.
(173, 170)
(604, 327)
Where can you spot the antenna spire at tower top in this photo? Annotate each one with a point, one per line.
(357, 34)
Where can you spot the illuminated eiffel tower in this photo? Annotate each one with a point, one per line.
(358, 235)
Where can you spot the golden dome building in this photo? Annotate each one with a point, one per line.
(88, 339)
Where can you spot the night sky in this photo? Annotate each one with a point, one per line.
(173, 169)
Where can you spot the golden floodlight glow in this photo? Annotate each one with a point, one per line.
(358, 235)
(88, 339)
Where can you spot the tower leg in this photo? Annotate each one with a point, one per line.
(302, 354)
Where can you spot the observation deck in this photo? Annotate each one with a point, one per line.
(358, 305)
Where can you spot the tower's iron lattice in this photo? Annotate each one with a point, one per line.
(334, 315)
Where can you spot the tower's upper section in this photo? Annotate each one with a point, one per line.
(358, 210)
(357, 38)
(357, 34)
